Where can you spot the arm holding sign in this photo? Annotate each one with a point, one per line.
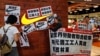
(57, 24)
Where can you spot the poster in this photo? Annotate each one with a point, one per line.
(67, 43)
(12, 10)
(41, 25)
(82, 26)
(33, 13)
(46, 10)
(28, 28)
(17, 23)
(24, 42)
(50, 19)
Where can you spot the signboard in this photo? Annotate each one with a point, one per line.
(12, 10)
(41, 25)
(46, 10)
(33, 13)
(67, 43)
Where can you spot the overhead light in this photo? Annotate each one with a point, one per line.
(75, 11)
(87, 9)
(72, 1)
(80, 9)
(71, 12)
(87, 0)
(96, 6)
(69, 21)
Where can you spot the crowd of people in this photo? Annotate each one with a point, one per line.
(87, 23)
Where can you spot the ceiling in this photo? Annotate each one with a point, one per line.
(83, 7)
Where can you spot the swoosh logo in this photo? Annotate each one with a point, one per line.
(27, 21)
(40, 25)
(50, 19)
(9, 10)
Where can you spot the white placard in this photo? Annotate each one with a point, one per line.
(46, 10)
(28, 28)
(33, 13)
(50, 19)
(24, 42)
(17, 23)
(67, 43)
(41, 25)
(12, 10)
(82, 26)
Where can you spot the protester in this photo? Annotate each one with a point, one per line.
(57, 24)
(12, 33)
(74, 24)
(88, 24)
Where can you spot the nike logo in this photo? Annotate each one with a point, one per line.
(9, 10)
(27, 28)
(27, 21)
(40, 25)
(50, 19)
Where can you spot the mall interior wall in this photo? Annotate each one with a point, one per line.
(39, 40)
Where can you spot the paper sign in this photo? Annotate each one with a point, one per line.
(28, 28)
(33, 13)
(12, 10)
(67, 43)
(46, 10)
(24, 40)
(50, 19)
(41, 25)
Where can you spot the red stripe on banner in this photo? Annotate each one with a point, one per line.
(72, 55)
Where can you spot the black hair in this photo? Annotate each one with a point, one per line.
(58, 18)
(86, 16)
(75, 20)
(11, 19)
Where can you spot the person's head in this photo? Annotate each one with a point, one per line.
(74, 20)
(57, 19)
(12, 19)
(86, 19)
(86, 16)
